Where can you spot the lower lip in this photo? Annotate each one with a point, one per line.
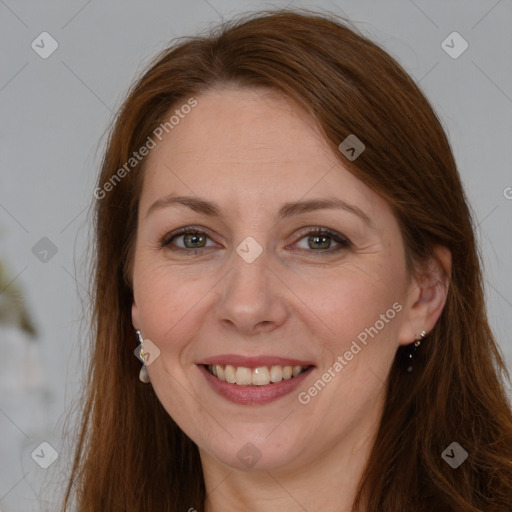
(253, 395)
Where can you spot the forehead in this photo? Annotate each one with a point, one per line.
(248, 147)
(243, 125)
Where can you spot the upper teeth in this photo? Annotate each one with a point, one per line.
(260, 376)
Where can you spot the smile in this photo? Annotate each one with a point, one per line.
(260, 376)
(254, 381)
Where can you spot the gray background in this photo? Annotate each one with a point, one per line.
(55, 111)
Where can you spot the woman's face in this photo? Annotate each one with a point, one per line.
(254, 293)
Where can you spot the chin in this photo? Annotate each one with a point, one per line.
(255, 453)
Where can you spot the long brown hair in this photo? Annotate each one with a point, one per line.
(131, 456)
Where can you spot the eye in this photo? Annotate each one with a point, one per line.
(191, 239)
(320, 240)
(316, 240)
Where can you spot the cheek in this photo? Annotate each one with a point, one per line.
(345, 301)
(169, 302)
(359, 311)
(163, 292)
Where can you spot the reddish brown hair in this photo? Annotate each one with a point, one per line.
(131, 456)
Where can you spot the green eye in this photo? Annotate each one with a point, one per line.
(196, 240)
(318, 240)
(192, 239)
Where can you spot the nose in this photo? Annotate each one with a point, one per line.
(252, 298)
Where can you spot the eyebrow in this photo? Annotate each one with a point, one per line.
(287, 210)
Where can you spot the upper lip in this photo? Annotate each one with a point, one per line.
(254, 361)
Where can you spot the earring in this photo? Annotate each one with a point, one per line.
(143, 374)
(414, 348)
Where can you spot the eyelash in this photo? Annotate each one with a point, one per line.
(344, 243)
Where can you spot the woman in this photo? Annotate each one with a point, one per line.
(284, 241)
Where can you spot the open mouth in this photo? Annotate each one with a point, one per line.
(260, 376)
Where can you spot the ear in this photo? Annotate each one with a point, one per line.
(426, 296)
(135, 315)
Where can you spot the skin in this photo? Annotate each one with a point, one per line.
(250, 151)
